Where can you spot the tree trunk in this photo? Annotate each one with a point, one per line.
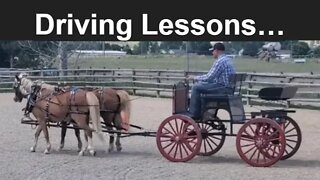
(63, 59)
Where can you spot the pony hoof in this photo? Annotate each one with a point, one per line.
(92, 152)
(119, 149)
(79, 148)
(110, 149)
(32, 149)
(81, 153)
(46, 151)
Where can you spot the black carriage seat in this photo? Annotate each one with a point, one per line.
(277, 93)
(236, 81)
(230, 99)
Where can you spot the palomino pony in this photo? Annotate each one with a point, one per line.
(50, 105)
(115, 107)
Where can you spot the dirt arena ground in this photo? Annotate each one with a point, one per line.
(140, 158)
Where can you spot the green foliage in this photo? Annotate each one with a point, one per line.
(287, 45)
(316, 52)
(167, 45)
(300, 48)
(200, 47)
(12, 55)
(251, 48)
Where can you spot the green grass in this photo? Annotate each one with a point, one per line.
(196, 63)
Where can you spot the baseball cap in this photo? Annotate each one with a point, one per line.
(217, 46)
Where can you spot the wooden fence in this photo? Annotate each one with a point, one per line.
(159, 83)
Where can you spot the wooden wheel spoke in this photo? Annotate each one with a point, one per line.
(185, 149)
(168, 131)
(292, 135)
(212, 141)
(285, 127)
(247, 139)
(172, 127)
(289, 146)
(274, 133)
(175, 152)
(206, 140)
(181, 128)
(180, 148)
(204, 145)
(191, 137)
(188, 146)
(168, 145)
(166, 140)
(214, 137)
(274, 139)
(172, 148)
(163, 135)
(290, 140)
(251, 130)
(290, 130)
(249, 150)
(246, 145)
(247, 135)
(274, 151)
(176, 124)
(286, 151)
(253, 153)
(259, 156)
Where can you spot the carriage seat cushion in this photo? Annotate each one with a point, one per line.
(277, 93)
(218, 93)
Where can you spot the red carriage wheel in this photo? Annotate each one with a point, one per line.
(261, 142)
(213, 136)
(178, 138)
(293, 137)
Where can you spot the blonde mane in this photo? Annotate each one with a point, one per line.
(26, 85)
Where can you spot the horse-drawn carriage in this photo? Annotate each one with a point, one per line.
(264, 137)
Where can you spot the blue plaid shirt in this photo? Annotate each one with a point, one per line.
(219, 72)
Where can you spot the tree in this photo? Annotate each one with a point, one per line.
(251, 48)
(144, 47)
(200, 47)
(300, 49)
(136, 50)
(167, 45)
(127, 49)
(154, 47)
(50, 51)
(15, 57)
(287, 45)
(316, 52)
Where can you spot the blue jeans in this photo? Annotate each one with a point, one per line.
(203, 88)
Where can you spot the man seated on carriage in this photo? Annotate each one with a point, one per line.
(216, 81)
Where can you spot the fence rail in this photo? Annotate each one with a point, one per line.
(159, 83)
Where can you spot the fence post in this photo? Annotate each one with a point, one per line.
(288, 105)
(113, 74)
(75, 75)
(248, 91)
(158, 81)
(133, 81)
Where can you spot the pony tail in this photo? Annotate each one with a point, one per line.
(94, 109)
(125, 109)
